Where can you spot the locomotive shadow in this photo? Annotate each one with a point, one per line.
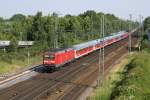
(42, 69)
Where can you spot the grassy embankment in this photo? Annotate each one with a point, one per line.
(12, 61)
(131, 82)
(15, 64)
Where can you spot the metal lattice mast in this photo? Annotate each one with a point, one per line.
(139, 38)
(101, 53)
(56, 33)
(130, 28)
(103, 59)
(142, 30)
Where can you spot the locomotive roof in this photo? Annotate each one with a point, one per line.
(58, 50)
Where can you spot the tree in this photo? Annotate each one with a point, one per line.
(17, 17)
(1, 20)
(66, 30)
(37, 31)
(87, 26)
(147, 23)
(50, 30)
(13, 44)
(1, 24)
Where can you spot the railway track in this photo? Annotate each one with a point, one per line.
(67, 83)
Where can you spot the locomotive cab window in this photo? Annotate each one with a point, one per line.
(51, 57)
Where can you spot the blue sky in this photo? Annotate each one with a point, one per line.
(121, 8)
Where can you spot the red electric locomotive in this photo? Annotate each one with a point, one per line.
(57, 57)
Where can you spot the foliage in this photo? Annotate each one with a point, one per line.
(11, 65)
(53, 31)
(129, 83)
(147, 23)
(135, 85)
(17, 17)
(115, 75)
(13, 45)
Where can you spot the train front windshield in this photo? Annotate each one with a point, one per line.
(49, 56)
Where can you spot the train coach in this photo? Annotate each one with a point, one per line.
(58, 57)
(84, 48)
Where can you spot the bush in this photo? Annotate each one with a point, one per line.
(21, 56)
(135, 84)
(7, 58)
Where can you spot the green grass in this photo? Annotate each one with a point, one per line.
(115, 76)
(136, 82)
(6, 67)
(131, 82)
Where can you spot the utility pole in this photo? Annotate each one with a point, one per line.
(130, 28)
(56, 45)
(139, 35)
(56, 33)
(141, 31)
(28, 57)
(103, 44)
(21, 36)
(121, 25)
(101, 52)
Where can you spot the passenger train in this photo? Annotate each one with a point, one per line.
(58, 57)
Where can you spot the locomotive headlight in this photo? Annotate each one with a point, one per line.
(52, 61)
(45, 61)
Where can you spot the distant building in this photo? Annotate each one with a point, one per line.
(25, 43)
(4, 44)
